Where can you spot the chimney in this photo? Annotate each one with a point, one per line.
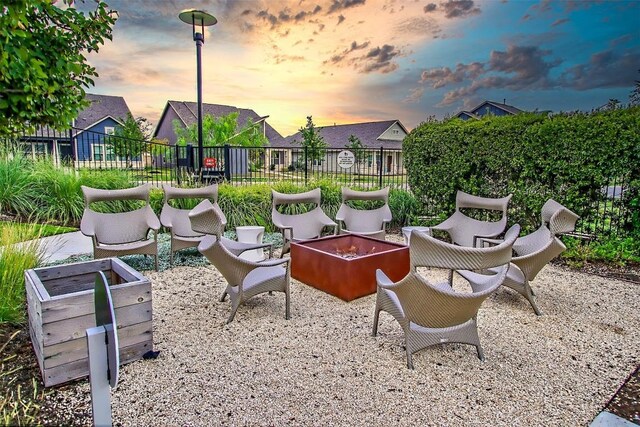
(504, 101)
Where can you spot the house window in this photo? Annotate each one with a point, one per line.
(103, 152)
(109, 130)
(396, 132)
(277, 157)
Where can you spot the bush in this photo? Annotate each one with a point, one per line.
(14, 259)
(568, 157)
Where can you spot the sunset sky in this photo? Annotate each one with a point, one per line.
(345, 61)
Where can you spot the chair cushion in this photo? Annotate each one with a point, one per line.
(263, 274)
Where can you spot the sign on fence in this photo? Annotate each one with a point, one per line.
(346, 159)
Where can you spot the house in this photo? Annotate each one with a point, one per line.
(489, 108)
(84, 141)
(187, 114)
(382, 140)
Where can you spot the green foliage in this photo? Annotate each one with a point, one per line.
(358, 150)
(14, 259)
(37, 230)
(609, 250)
(130, 139)
(568, 157)
(43, 68)
(17, 195)
(313, 143)
(220, 131)
(634, 96)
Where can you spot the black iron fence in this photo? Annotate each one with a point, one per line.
(156, 163)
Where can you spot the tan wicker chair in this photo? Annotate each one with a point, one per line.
(245, 279)
(369, 223)
(465, 231)
(433, 314)
(177, 220)
(125, 233)
(535, 250)
(304, 226)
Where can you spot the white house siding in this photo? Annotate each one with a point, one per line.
(394, 133)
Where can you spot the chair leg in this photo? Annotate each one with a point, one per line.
(480, 352)
(156, 261)
(286, 247)
(287, 305)
(451, 277)
(529, 295)
(409, 357)
(224, 296)
(171, 258)
(376, 317)
(234, 308)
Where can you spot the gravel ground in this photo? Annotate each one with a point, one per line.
(323, 367)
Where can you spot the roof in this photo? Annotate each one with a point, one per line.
(504, 107)
(467, 113)
(101, 107)
(337, 136)
(187, 112)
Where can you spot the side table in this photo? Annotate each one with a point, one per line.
(251, 234)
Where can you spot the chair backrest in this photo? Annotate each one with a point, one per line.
(208, 218)
(440, 306)
(116, 228)
(305, 225)
(426, 251)
(466, 227)
(360, 220)
(535, 250)
(558, 218)
(179, 218)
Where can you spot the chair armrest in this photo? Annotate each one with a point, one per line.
(486, 238)
(491, 242)
(273, 262)
(383, 281)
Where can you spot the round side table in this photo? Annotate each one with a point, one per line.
(406, 232)
(251, 234)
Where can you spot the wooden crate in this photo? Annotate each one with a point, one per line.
(61, 308)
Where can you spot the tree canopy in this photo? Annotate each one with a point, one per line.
(312, 141)
(43, 68)
(221, 130)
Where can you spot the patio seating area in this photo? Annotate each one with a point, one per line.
(323, 367)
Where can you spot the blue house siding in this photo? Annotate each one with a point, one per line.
(490, 110)
(93, 136)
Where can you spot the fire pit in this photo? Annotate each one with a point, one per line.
(345, 266)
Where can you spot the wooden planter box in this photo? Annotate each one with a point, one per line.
(318, 263)
(61, 308)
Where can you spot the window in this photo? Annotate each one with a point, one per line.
(396, 132)
(103, 152)
(109, 130)
(277, 157)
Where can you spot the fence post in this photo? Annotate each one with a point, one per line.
(227, 162)
(189, 153)
(305, 166)
(380, 171)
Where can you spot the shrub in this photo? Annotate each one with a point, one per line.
(569, 157)
(14, 259)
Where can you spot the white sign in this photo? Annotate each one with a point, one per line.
(346, 159)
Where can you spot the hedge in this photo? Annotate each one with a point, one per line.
(568, 157)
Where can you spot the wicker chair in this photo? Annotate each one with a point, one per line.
(369, 223)
(295, 227)
(125, 233)
(433, 314)
(177, 220)
(465, 231)
(245, 278)
(535, 250)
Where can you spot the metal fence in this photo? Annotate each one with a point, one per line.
(155, 163)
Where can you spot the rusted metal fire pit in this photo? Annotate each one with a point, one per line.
(345, 266)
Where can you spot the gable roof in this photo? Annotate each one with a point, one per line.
(468, 114)
(337, 136)
(504, 107)
(187, 112)
(102, 107)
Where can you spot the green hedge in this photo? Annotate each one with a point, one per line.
(568, 157)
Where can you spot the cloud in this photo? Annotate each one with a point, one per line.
(418, 25)
(517, 68)
(280, 58)
(414, 96)
(559, 22)
(459, 8)
(605, 69)
(338, 5)
(440, 77)
(379, 59)
(341, 56)
(284, 16)
(430, 7)
(341, 19)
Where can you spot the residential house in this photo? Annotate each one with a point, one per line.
(84, 141)
(382, 141)
(489, 108)
(186, 114)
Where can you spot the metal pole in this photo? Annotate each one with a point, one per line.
(199, 38)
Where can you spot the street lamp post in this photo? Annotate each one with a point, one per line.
(198, 18)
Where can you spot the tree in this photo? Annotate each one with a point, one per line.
(358, 149)
(43, 68)
(613, 104)
(221, 130)
(313, 143)
(131, 138)
(634, 96)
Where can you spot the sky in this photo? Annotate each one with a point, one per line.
(349, 61)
